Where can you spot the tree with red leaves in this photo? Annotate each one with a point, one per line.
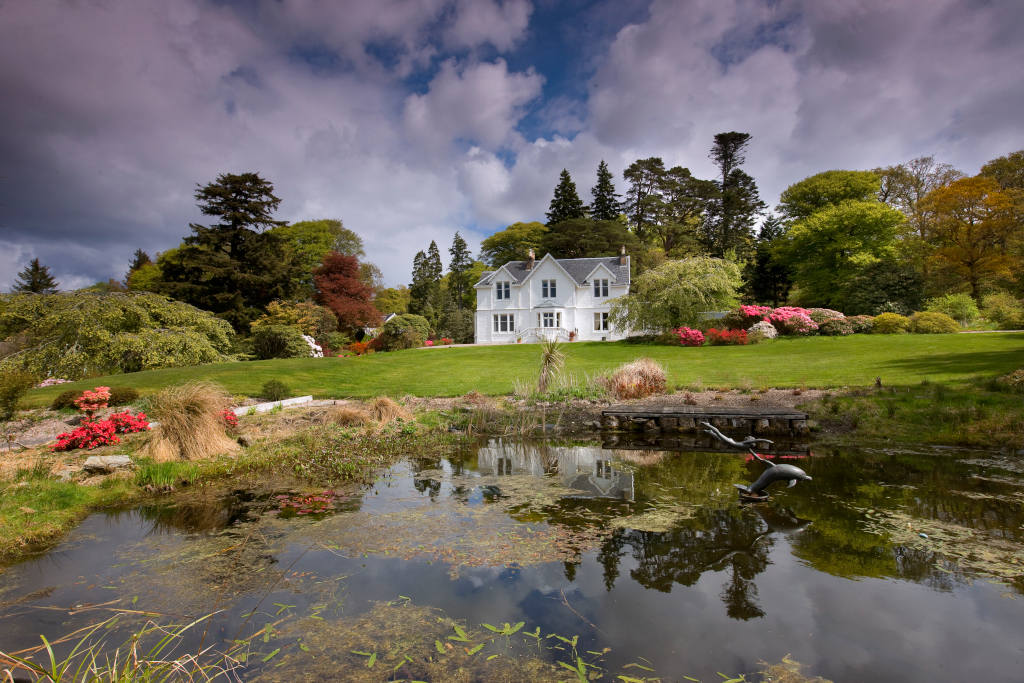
(338, 287)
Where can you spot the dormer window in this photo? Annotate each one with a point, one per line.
(600, 289)
(504, 290)
(547, 289)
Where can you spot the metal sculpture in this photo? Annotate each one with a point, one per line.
(772, 474)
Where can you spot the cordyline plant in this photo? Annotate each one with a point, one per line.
(677, 294)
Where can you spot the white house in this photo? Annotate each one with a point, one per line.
(534, 299)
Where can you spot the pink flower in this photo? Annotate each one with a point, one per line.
(429, 343)
(690, 337)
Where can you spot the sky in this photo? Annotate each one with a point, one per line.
(411, 120)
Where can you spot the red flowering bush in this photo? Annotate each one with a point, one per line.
(230, 419)
(689, 336)
(727, 337)
(91, 401)
(358, 348)
(743, 317)
(91, 434)
(126, 423)
(446, 341)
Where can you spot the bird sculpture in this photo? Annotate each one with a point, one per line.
(744, 445)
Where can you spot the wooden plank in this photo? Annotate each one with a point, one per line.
(704, 413)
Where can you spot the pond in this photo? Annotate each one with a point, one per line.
(887, 566)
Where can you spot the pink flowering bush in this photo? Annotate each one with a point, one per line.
(91, 401)
(820, 315)
(52, 381)
(793, 321)
(861, 324)
(743, 317)
(690, 337)
(429, 342)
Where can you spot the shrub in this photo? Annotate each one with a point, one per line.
(933, 323)
(897, 307)
(1004, 310)
(890, 323)
(278, 341)
(403, 332)
(230, 420)
(309, 318)
(791, 320)
(861, 324)
(13, 387)
(123, 396)
(191, 426)
(91, 401)
(358, 348)
(337, 340)
(91, 434)
(275, 390)
(743, 317)
(820, 315)
(689, 336)
(126, 423)
(1013, 381)
(727, 337)
(637, 379)
(959, 307)
(65, 399)
(835, 327)
(315, 350)
(764, 329)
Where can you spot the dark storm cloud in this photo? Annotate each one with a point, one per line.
(406, 118)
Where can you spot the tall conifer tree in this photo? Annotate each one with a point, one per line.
(606, 205)
(733, 211)
(459, 270)
(425, 290)
(36, 279)
(566, 203)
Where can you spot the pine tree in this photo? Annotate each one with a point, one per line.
(233, 268)
(140, 259)
(606, 206)
(767, 280)
(425, 290)
(566, 204)
(733, 211)
(36, 279)
(643, 199)
(459, 270)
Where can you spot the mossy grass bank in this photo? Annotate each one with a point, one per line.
(822, 362)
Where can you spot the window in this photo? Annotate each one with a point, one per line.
(600, 322)
(547, 289)
(504, 322)
(551, 319)
(600, 288)
(503, 290)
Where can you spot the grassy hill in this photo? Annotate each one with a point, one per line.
(811, 361)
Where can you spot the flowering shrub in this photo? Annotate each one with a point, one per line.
(727, 337)
(230, 419)
(820, 315)
(87, 435)
(745, 316)
(446, 341)
(861, 324)
(91, 401)
(358, 348)
(429, 342)
(835, 327)
(126, 423)
(690, 337)
(51, 382)
(315, 350)
(792, 320)
(764, 328)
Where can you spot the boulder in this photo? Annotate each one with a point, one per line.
(105, 464)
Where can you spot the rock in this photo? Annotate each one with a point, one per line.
(246, 440)
(27, 511)
(611, 422)
(105, 464)
(923, 535)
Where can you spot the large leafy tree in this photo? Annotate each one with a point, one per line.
(587, 238)
(459, 271)
(606, 205)
(310, 241)
(1007, 170)
(885, 285)
(513, 243)
(766, 280)
(339, 288)
(35, 279)
(829, 188)
(643, 202)
(677, 293)
(975, 224)
(234, 267)
(684, 203)
(828, 248)
(566, 204)
(140, 260)
(733, 211)
(392, 300)
(425, 290)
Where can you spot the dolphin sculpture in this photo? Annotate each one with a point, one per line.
(744, 445)
(772, 474)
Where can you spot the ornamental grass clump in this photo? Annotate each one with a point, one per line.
(637, 379)
(385, 410)
(191, 423)
(348, 416)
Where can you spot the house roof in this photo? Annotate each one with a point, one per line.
(577, 268)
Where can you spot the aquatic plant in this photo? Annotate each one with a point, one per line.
(191, 424)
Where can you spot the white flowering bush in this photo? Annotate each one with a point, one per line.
(766, 329)
(315, 350)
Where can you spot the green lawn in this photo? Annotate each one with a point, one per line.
(813, 361)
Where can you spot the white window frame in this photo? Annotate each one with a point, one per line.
(503, 287)
(548, 289)
(506, 321)
(600, 322)
(600, 289)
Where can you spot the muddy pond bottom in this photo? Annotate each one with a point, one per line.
(557, 561)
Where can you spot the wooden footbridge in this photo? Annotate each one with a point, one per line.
(686, 418)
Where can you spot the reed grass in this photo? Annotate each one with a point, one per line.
(191, 426)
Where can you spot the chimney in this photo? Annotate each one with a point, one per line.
(531, 257)
(622, 256)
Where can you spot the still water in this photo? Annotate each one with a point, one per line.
(888, 566)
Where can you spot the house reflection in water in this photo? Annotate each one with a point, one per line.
(587, 469)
